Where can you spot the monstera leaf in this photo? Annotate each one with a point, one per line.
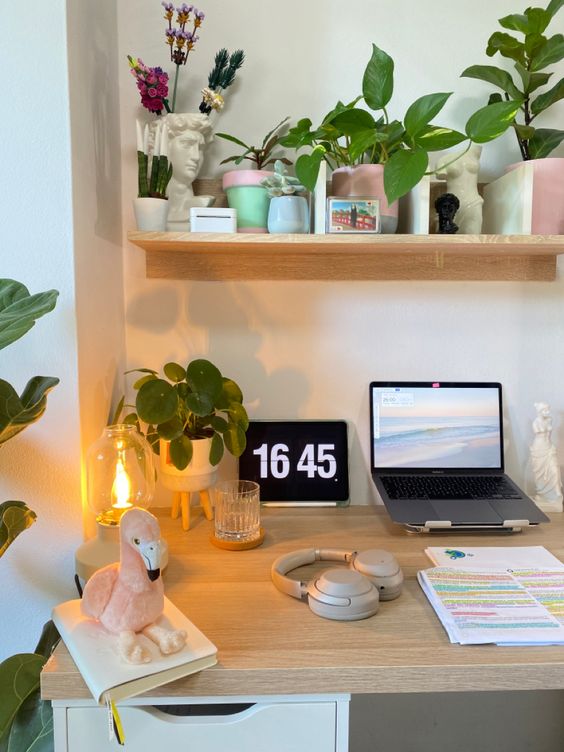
(15, 517)
(19, 310)
(16, 413)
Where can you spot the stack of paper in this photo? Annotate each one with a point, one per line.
(508, 596)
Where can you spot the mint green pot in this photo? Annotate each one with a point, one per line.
(248, 198)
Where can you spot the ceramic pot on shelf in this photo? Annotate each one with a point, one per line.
(199, 475)
(150, 214)
(547, 217)
(366, 180)
(288, 214)
(249, 198)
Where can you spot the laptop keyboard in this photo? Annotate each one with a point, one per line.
(448, 487)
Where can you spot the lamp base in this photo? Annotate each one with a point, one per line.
(104, 549)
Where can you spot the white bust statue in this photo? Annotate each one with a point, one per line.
(188, 136)
(462, 180)
(546, 472)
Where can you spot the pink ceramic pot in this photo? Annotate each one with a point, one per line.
(548, 195)
(366, 180)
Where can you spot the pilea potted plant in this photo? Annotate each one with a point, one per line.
(532, 55)
(243, 187)
(287, 212)
(376, 156)
(154, 174)
(192, 416)
(26, 721)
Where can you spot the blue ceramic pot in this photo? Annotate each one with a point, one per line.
(288, 214)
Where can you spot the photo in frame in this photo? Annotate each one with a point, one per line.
(353, 214)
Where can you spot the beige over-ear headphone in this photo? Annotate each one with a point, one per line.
(341, 594)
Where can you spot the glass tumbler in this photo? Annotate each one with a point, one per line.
(237, 511)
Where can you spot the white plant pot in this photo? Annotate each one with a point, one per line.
(197, 476)
(150, 214)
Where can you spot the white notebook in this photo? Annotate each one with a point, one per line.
(95, 652)
(493, 557)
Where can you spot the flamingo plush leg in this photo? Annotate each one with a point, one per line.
(168, 640)
(131, 650)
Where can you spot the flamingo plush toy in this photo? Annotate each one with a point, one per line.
(128, 597)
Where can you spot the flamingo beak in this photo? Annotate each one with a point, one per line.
(151, 553)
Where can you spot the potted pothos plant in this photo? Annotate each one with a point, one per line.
(192, 415)
(24, 717)
(532, 52)
(243, 187)
(354, 142)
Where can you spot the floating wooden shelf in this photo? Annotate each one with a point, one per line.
(220, 257)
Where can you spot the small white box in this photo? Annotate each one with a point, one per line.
(213, 219)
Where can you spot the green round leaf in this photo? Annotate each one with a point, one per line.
(216, 449)
(199, 404)
(238, 414)
(231, 391)
(174, 372)
(235, 440)
(204, 378)
(218, 423)
(181, 452)
(170, 430)
(156, 401)
(143, 380)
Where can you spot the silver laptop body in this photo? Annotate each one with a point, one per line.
(437, 457)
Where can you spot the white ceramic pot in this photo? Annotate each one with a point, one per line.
(288, 214)
(366, 180)
(150, 214)
(197, 476)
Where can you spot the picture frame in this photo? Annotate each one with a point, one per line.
(353, 214)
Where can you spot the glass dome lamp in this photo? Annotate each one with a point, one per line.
(119, 475)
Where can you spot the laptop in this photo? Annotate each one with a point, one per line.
(437, 457)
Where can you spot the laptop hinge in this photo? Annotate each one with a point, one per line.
(516, 523)
(438, 523)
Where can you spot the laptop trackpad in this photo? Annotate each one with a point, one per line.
(466, 512)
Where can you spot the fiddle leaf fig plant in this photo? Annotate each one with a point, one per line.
(190, 403)
(531, 55)
(350, 135)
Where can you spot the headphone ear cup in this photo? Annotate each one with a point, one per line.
(382, 569)
(342, 595)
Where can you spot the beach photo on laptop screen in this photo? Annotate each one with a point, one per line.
(433, 427)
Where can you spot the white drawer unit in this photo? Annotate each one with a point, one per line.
(288, 724)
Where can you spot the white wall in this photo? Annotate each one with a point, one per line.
(308, 350)
(46, 187)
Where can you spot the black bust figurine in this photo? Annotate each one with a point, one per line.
(447, 205)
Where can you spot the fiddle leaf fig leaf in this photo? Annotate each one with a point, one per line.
(157, 401)
(423, 110)
(544, 142)
(493, 75)
(378, 79)
(15, 517)
(16, 413)
(554, 6)
(507, 46)
(515, 22)
(403, 171)
(19, 310)
(552, 51)
(181, 451)
(491, 121)
(546, 100)
(19, 678)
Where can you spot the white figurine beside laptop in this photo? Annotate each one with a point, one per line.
(544, 462)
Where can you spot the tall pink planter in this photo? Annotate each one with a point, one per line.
(366, 180)
(548, 195)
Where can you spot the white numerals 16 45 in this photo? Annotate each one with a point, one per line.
(274, 460)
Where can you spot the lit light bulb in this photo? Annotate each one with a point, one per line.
(121, 487)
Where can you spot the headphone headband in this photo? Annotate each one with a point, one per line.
(287, 562)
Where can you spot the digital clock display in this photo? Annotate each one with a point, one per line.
(301, 461)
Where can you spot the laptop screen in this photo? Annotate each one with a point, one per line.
(419, 425)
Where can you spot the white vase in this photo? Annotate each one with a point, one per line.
(150, 214)
(189, 134)
(197, 476)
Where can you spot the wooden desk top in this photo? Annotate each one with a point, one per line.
(270, 643)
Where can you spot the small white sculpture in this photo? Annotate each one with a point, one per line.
(188, 136)
(462, 180)
(546, 472)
